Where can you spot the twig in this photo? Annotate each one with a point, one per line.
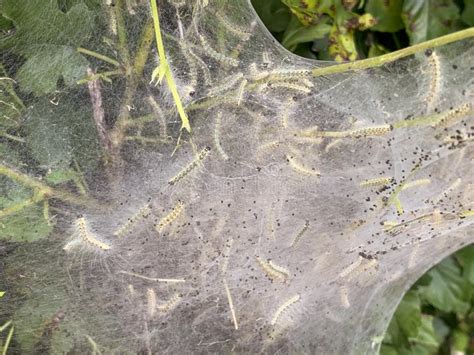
(98, 56)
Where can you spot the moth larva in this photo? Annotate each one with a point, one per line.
(211, 52)
(193, 76)
(283, 308)
(351, 267)
(232, 27)
(226, 256)
(435, 79)
(359, 269)
(202, 65)
(217, 141)
(300, 234)
(371, 131)
(268, 147)
(201, 156)
(151, 302)
(227, 85)
(142, 213)
(231, 305)
(83, 231)
(451, 116)
(381, 181)
(171, 304)
(344, 293)
(296, 166)
(157, 110)
(415, 183)
(170, 217)
(290, 74)
(289, 86)
(240, 91)
(274, 272)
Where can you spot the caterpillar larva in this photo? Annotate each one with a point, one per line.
(274, 272)
(231, 305)
(435, 79)
(415, 183)
(142, 213)
(451, 116)
(356, 271)
(226, 256)
(193, 76)
(240, 91)
(232, 27)
(344, 293)
(283, 308)
(171, 304)
(202, 65)
(289, 86)
(265, 148)
(211, 52)
(381, 181)
(290, 74)
(371, 131)
(151, 302)
(227, 85)
(170, 217)
(217, 140)
(300, 169)
(183, 173)
(157, 110)
(300, 234)
(351, 267)
(82, 230)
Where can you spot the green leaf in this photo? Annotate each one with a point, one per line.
(447, 290)
(468, 13)
(28, 225)
(298, 33)
(273, 13)
(60, 176)
(428, 19)
(428, 338)
(387, 13)
(466, 259)
(41, 72)
(2, 293)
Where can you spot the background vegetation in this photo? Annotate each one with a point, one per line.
(437, 315)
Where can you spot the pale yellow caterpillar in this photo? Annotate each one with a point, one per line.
(381, 181)
(158, 112)
(415, 183)
(232, 27)
(217, 140)
(351, 267)
(202, 65)
(226, 256)
(300, 234)
(231, 305)
(300, 169)
(240, 91)
(371, 131)
(289, 86)
(170, 217)
(151, 302)
(274, 272)
(227, 85)
(265, 148)
(142, 213)
(283, 308)
(183, 173)
(171, 304)
(290, 74)
(359, 269)
(453, 115)
(193, 76)
(435, 79)
(82, 230)
(211, 52)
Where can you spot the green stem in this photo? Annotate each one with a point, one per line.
(104, 75)
(391, 57)
(13, 138)
(121, 33)
(7, 342)
(98, 56)
(167, 72)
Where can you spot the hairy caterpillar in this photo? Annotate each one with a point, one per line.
(357, 270)
(211, 52)
(289, 86)
(240, 91)
(183, 173)
(435, 79)
(300, 168)
(217, 141)
(283, 308)
(158, 112)
(376, 182)
(451, 116)
(151, 302)
(202, 65)
(351, 267)
(143, 213)
(82, 230)
(300, 234)
(170, 217)
(227, 85)
(231, 305)
(232, 27)
(274, 272)
(193, 76)
(171, 304)
(415, 183)
(371, 131)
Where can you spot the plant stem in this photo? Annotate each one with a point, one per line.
(121, 33)
(391, 57)
(98, 56)
(13, 138)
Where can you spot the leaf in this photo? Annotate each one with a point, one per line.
(29, 225)
(466, 259)
(447, 290)
(2, 293)
(428, 338)
(60, 176)
(428, 19)
(311, 11)
(297, 33)
(468, 13)
(273, 13)
(387, 13)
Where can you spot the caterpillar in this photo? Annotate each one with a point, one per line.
(202, 65)
(300, 168)
(451, 116)
(158, 112)
(142, 213)
(289, 74)
(193, 80)
(357, 270)
(227, 85)
(211, 52)
(351, 267)
(283, 308)
(232, 27)
(151, 302)
(226, 256)
(274, 272)
(170, 217)
(217, 141)
(183, 173)
(381, 181)
(231, 305)
(435, 79)
(415, 183)
(344, 293)
(300, 234)
(240, 91)
(289, 86)
(171, 304)
(371, 131)
(82, 230)
(268, 147)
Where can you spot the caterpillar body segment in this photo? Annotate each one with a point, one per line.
(237, 30)
(217, 140)
(82, 230)
(298, 236)
(219, 57)
(351, 267)
(191, 166)
(381, 181)
(193, 75)
(284, 308)
(171, 304)
(299, 168)
(374, 131)
(170, 217)
(159, 112)
(226, 86)
(434, 80)
(273, 271)
(151, 302)
(286, 85)
(202, 66)
(143, 213)
(415, 183)
(451, 116)
(240, 91)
